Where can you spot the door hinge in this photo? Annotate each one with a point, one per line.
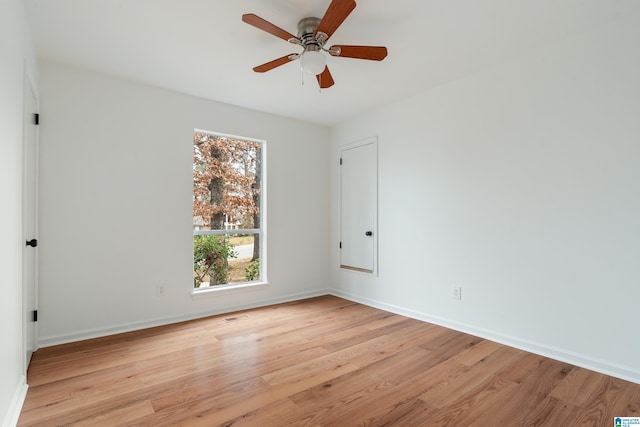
(340, 245)
(340, 161)
(35, 315)
(36, 119)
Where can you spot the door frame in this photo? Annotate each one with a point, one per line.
(29, 89)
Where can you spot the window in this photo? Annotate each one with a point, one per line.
(228, 210)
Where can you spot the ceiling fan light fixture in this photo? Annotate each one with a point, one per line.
(313, 62)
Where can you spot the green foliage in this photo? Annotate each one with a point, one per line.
(253, 270)
(210, 255)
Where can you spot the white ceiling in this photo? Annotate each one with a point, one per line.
(202, 48)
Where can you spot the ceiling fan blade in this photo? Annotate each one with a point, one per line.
(267, 26)
(325, 80)
(335, 15)
(275, 63)
(373, 53)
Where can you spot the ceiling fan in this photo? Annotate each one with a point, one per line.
(313, 33)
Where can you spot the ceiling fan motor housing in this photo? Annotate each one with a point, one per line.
(306, 33)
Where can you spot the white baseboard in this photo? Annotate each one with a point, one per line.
(48, 341)
(11, 419)
(583, 361)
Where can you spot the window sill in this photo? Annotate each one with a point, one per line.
(228, 289)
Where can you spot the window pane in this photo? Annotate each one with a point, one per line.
(226, 183)
(225, 259)
(245, 266)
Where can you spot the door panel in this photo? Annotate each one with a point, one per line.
(359, 199)
(29, 260)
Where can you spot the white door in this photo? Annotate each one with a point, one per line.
(29, 207)
(358, 206)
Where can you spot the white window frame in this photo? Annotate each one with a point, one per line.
(262, 232)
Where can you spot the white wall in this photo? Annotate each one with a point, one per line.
(116, 179)
(16, 50)
(522, 185)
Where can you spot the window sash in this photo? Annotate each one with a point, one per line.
(234, 231)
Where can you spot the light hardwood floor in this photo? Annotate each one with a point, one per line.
(318, 362)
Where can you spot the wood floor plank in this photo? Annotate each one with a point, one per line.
(323, 361)
(386, 320)
(473, 355)
(87, 361)
(551, 412)
(118, 417)
(375, 390)
(492, 393)
(280, 413)
(409, 412)
(357, 385)
(221, 368)
(336, 345)
(454, 388)
(577, 387)
(520, 368)
(451, 347)
(389, 402)
(207, 414)
(616, 398)
(536, 387)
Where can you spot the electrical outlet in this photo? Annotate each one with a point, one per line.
(457, 292)
(160, 290)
